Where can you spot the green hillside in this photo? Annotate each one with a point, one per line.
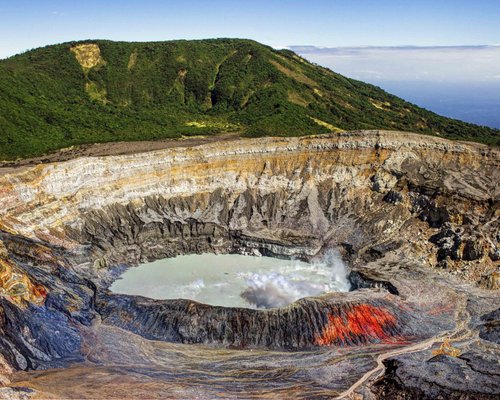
(101, 91)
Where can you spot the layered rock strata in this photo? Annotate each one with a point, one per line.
(402, 209)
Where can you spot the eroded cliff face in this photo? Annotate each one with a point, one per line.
(402, 208)
(355, 189)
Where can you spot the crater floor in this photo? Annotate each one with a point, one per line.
(415, 218)
(234, 280)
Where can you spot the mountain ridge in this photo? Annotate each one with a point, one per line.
(94, 91)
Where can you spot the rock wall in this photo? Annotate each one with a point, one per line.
(365, 191)
(304, 324)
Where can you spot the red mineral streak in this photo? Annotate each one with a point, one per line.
(362, 321)
(442, 309)
(39, 291)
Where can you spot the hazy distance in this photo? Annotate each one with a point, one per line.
(457, 81)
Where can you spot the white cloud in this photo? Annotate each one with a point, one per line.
(409, 63)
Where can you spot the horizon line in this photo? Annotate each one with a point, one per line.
(293, 47)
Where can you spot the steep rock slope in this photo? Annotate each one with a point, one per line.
(354, 188)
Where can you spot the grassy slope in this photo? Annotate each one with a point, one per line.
(145, 91)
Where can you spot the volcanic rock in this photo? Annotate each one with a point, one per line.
(396, 205)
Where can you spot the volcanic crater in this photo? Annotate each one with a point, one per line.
(414, 217)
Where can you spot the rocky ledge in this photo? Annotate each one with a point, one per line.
(415, 217)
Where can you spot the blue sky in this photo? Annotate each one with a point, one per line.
(330, 23)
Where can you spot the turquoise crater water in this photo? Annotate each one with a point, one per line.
(234, 280)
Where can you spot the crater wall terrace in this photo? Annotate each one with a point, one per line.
(357, 188)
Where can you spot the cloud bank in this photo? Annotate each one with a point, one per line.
(459, 64)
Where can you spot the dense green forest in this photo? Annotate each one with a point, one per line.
(101, 91)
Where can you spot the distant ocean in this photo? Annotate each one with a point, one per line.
(461, 82)
(476, 103)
